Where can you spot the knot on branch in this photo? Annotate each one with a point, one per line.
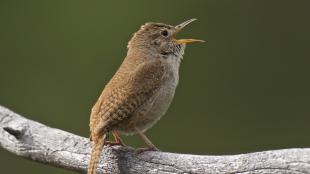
(16, 133)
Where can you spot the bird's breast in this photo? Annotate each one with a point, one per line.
(149, 113)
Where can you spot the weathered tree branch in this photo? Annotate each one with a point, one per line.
(38, 142)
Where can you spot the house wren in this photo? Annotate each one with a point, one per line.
(141, 90)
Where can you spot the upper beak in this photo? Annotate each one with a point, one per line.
(180, 27)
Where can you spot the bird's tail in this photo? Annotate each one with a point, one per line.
(95, 154)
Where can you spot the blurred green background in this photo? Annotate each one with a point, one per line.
(246, 90)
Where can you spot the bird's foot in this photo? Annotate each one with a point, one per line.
(115, 143)
(141, 150)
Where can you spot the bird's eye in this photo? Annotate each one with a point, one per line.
(164, 33)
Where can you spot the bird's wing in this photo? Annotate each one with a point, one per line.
(122, 101)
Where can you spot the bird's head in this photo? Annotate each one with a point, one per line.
(159, 38)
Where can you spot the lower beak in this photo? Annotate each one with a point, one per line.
(188, 41)
(180, 27)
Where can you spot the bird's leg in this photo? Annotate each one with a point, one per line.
(117, 138)
(150, 145)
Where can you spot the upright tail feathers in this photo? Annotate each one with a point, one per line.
(95, 154)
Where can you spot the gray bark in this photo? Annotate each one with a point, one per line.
(35, 141)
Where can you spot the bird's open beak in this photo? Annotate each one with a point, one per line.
(180, 27)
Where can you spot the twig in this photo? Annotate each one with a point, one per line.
(33, 140)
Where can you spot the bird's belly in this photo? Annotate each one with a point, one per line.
(150, 112)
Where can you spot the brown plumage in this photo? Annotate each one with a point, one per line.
(141, 90)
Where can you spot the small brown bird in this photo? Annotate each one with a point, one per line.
(141, 90)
